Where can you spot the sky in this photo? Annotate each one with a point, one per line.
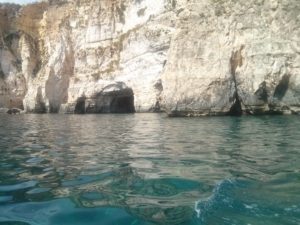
(17, 1)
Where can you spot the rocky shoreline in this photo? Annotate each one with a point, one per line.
(183, 57)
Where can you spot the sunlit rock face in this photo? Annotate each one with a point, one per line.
(187, 57)
(73, 50)
(234, 57)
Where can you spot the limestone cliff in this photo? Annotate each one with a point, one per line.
(230, 57)
(187, 57)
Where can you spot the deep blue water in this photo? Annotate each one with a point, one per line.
(148, 169)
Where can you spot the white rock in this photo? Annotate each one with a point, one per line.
(191, 57)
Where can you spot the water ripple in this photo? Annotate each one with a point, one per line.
(149, 169)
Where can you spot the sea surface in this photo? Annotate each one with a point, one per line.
(145, 169)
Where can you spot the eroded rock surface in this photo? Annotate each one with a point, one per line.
(187, 57)
(231, 57)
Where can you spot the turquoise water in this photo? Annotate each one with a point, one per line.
(148, 169)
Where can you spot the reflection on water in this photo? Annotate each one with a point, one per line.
(148, 169)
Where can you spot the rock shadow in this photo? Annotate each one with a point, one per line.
(114, 98)
(282, 87)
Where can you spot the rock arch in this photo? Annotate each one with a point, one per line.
(114, 98)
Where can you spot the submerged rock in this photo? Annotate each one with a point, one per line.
(14, 111)
(189, 58)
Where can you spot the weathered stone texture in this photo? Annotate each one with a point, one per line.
(187, 57)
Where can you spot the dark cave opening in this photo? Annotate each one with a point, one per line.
(80, 106)
(122, 104)
(115, 101)
(236, 108)
(282, 87)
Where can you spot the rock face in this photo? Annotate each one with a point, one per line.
(187, 57)
(230, 57)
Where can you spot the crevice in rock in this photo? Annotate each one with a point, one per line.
(2, 75)
(35, 54)
(236, 61)
(40, 106)
(282, 87)
(262, 92)
(80, 106)
(236, 108)
(158, 87)
(157, 108)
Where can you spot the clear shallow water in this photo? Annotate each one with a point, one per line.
(146, 169)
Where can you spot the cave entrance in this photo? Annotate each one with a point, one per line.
(80, 106)
(122, 104)
(116, 98)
